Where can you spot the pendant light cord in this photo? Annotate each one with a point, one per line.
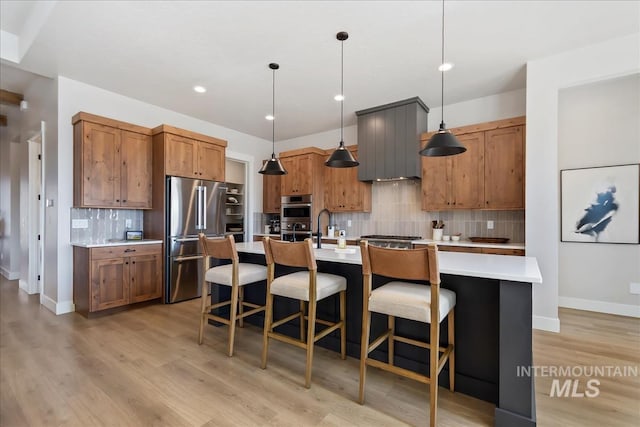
(342, 92)
(273, 113)
(442, 72)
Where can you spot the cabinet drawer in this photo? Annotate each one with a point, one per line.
(498, 251)
(468, 249)
(125, 251)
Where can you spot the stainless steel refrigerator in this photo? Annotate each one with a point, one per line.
(193, 206)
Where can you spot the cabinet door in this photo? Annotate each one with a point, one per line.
(271, 193)
(145, 277)
(136, 155)
(181, 156)
(109, 283)
(304, 170)
(211, 161)
(467, 173)
(100, 166)
(343, 191)
(504, 168)
(289, 182)
(436, 183)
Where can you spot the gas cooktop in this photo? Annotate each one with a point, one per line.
(390, 237)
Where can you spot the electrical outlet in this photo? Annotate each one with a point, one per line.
(634, 288)
(79, 223)
(489, 225)
(127, 223)
(348, 223)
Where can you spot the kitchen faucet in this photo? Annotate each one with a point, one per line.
(319, 246)
(295, 225)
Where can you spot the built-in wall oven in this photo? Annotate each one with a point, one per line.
(295, 217)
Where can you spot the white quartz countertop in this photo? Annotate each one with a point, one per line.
(114, 243)
(470, 244)
(501, 267)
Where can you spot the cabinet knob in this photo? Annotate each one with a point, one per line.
(487, 202)
(133, 262)
(124, 201)
(118, 200)
(126, 263)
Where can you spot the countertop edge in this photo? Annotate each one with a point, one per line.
(118, 243)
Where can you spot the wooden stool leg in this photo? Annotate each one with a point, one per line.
(268, 319)
(433, 370)
(302, 325)
(240, 306)
(311, 333)
(233, 317)
(452, 355)
(364, 350)
(203, 309)
(391, 321)
(343, 328)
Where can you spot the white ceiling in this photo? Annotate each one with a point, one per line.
(156, 51)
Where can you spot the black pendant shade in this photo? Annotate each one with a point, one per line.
(341, 158)
(443, 143)
(273, 165)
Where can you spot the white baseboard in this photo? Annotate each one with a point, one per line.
(28, 288)
(551, 324)
(57, 307)
(9, 275)
(629, 310)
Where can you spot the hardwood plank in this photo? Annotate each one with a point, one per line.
(144, 367)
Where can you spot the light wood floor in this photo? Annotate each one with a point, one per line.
(143, 367)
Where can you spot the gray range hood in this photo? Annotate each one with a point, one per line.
(389, 140)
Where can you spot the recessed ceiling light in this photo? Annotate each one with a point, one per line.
(446, 66)
(339, 97)
(269, 117)
(200, 89)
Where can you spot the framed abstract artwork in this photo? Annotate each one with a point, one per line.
(600, 204)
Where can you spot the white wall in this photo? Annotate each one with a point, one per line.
(75, 96)
(599, 125)
(545, 77)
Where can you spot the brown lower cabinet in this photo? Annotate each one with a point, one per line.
(115, 276)
(477, 250)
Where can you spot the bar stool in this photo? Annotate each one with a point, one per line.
(236, 275)
(409, 301)
(305, 286)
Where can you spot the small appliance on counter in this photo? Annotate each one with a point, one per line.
(133, 235)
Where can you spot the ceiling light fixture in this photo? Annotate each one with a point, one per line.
(273, 165)
(269, 117)
(200, 89)
(341, 157)
(445, 67)
(443, 142)
(339, 97)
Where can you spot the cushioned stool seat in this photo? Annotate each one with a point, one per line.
(296, 285)
(410, 301)
(247, 273)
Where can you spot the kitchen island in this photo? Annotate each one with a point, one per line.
(493, 323)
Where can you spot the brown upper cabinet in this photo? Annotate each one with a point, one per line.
(489, 175)
(192, 155)
(343, 191)
(271, 193)
(304, 173)
(112, 163)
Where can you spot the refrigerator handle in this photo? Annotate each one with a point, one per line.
(203, 203)
(198, 208)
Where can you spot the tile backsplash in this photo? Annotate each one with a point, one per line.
(104, 224)
(397, 209)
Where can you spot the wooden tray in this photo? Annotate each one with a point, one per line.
(489, 239)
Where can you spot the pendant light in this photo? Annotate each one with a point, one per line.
(341, 158)
(273, 165)
(443, 143)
